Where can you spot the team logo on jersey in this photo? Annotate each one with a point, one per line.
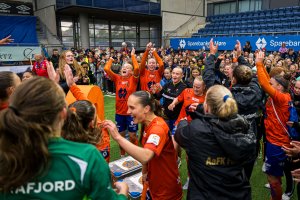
(105, 152)
(122, 93)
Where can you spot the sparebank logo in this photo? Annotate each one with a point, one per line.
(182, 44)
(261, 43)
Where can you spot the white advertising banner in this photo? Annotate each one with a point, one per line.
(10, 53)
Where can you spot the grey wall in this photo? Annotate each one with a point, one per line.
(46, 13)
(177, 12)
(272, 4)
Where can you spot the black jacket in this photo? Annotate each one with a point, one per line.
(169, 92)
(217, 150)
(212, 74)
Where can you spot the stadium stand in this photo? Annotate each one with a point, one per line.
(268, 22)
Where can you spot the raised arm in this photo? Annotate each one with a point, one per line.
(108, 70)
(144, 59)
(71, 84)
(263, 77)
(134, 63)
(209, 75)
(160, 63)
(240, 59)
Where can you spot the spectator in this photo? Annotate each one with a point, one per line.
(40, 66)
(55, 58)
(67, 58)
(283, 50)
(247, 48)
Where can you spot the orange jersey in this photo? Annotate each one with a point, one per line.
(163, 174)
(274, 131)
(188, 97)
(147, 77)
(125, 86)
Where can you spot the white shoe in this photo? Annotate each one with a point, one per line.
(286, 196)
(267, 185)
(186, 185)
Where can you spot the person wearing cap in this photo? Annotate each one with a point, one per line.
(277, 114)
(217, 141)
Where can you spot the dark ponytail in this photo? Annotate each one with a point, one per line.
(146, 99)
(77, 125)
(26, 125)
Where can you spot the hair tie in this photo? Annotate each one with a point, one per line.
(73, 109)
(225, 97)
(14, 110)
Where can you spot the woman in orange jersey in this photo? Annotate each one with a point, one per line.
(158, 155)
(277, 115)
(126, 84)
(150, 76)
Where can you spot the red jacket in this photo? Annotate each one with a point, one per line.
(40, 68)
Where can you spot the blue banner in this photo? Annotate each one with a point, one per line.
(22, 29)
(269, 43)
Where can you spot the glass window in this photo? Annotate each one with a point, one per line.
(101, 24)
(129, 26)
(144, 42)
(258, 5)
(117, 34)
(244, 5)
(130, 34)
(68, 41)
(92, 41)
(101, 42)
(66, 23)
(217, 9)
(224, 8)
(91, 33)
(91, 25)
(102, 33)
(144, 34)
(117, 26)
(144, 26)
(232, 7)
(66, 31)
